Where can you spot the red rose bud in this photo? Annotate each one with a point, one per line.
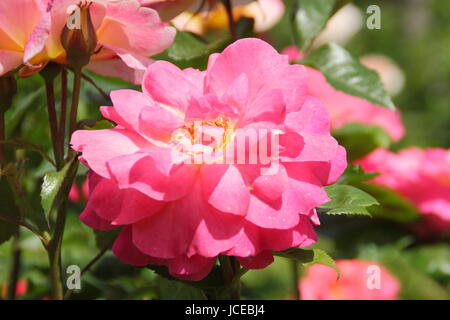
(79, 39)
(8, 88)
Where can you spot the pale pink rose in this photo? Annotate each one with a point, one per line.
(184, 215)
(79, 193)
(357, 282)
(420, 175)
(389, 72)
(343, 108)
(127, 35)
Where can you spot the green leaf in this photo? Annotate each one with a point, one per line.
(177, 290)
(347, 200)
(105, 238)
(192, 51)
(392, 205)
(354, 174)
(98, 125)
(310, 18)
(57, 185)
(187, 46)
(347, 74)
(308, 257)
(360, 139)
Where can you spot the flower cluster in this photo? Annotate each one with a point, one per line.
(126, 34)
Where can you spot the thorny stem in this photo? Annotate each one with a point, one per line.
(231, 23)
(63, 114)
(75, 101)
(295, 279)
(92, 82)
(2, 138)
(51, 108)
(15, 268)
(231, 273)
(54, 254)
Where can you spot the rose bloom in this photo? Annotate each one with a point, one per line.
(342, 26)
(344, 108)
(152, 176)
(127, 34)
(265, 13)
(357, 282)
(422, 176)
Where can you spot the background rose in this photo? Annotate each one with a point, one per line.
(344, 109)
(320, 282)
(420, 175)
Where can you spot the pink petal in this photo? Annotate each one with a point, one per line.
(171, 86)
(99, 146)
(225, 188)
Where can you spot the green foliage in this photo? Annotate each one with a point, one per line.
(354, 174)
(393, 206)
(56, 186)
(347, 74)
(177, 290)
(310, 18)
(403, 264)
(347, 200)
(8, 210)
(308, 257)
(105, 238)
(359, 139)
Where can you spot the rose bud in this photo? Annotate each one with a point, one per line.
(81, 40)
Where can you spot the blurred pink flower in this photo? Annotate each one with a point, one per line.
(344, 108)
(357, 282)
(127, 35)
(21, 288)
(79, 193)
(421, 176)
(152, 175)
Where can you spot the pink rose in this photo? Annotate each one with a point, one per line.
(421, 176)
(344, 108)
(175, 173)
(359, 280)
(127, 35)
(79, 193)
